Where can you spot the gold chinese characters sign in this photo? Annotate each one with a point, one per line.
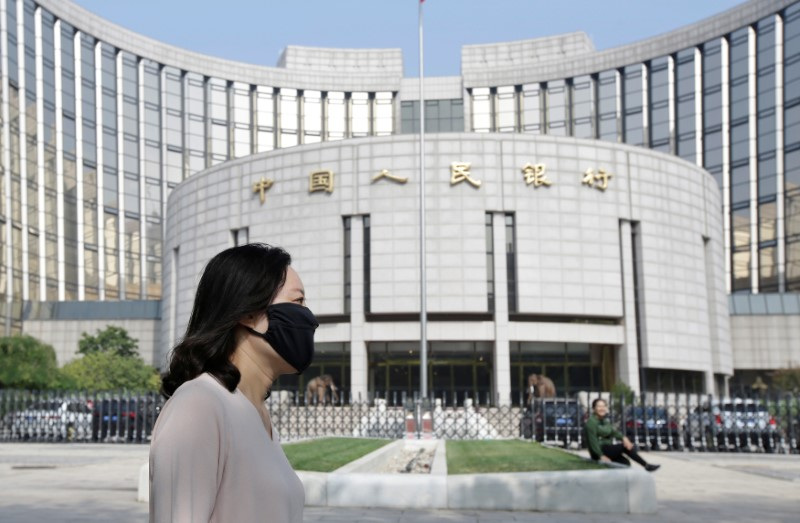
(597, 179)
(535, 175)
(389, 176)
(320, 181)
(459, 172)
(261, 187)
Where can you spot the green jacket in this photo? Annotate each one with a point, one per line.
(598, 433)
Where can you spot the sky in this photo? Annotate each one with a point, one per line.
(256, 31)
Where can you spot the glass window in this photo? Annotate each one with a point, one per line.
(218, 116)
(557, 108)
(531, 109)
(659, 104)
(632, 103)
(739, 59)
(312, 116)
(481, 110)
(685, 104)
(360, 114)
(490, 261)
(767, 216)
(288, 117)
(582, 107)
(607, 117)
(506, 109)
(336, 125)
(265, 119)
(741, 271)
(383, 120)
(511, 261)
(768, 269)
(409, 116)
(740, 228)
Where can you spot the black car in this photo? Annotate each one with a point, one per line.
(553, 421)
(651, 427)
(123, 419)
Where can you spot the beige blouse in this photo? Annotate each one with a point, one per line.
(211, 459)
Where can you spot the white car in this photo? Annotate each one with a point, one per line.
(53, 420)
(731, 423)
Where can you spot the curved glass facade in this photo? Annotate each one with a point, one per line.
(730, 104)
(97, 128)
(94, 137)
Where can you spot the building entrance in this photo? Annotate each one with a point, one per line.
(573, 367)
(455, 370)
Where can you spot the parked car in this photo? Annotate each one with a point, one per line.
(52, 420)
(553, 421)
(731, 424)
(651, 427)
(123, 419)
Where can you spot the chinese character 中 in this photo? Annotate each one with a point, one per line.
(386, 174)
(535, 174)
(320, 181)
(459, 172)
(261, 187)
(598, 180)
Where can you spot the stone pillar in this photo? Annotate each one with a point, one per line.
(502, 363)
(358, 348)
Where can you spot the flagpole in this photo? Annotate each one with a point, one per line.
(423, 315)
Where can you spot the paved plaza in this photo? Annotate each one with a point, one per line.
(97, 483)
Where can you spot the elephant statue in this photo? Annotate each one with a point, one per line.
(540, 386)
(317, 390)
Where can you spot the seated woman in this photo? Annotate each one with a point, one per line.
(600, 433)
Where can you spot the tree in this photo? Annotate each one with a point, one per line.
(111, 339)
(108, 370)
(27, 363)
(787, 379)
(620, 392)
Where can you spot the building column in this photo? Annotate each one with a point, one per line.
(501, 361)
(359, 364)
(628, 355)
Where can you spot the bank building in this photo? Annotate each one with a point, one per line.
(631, 214)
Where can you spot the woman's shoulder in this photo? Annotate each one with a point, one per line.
(204, 390)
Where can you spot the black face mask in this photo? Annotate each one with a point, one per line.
(291, 333)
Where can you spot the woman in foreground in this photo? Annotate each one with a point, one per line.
(599, 435)
(214, 454)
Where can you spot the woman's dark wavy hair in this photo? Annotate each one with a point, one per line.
(236, 283)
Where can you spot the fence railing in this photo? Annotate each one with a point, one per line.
(662, 421)
(77, 416)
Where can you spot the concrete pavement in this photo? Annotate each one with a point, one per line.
(97, 483)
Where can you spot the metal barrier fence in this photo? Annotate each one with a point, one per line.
(661, 421)
(77, 416)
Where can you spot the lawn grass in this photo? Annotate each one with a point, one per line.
(473, 457)
(328, 454)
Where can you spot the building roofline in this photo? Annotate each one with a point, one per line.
(531, 69)
(482, 66)
(339, 78)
